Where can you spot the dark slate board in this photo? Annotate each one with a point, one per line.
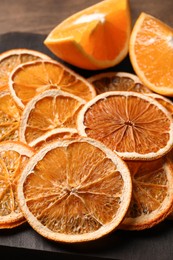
(155, 243)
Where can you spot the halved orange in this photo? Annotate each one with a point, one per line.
(94, 38)
(10, 116)
(30, 79)
(82, 197)
(151, 43)
(49, 110)
(13, 157)
(10, 59)
(117, 81)
(132, 124)
(152, 194)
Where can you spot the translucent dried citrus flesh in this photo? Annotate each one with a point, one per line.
(132, 124)
(30, 79)
(117, 81)
(10, 116)
(94, 38)
(49, 110)
(152, 194)
(81, 197)
(150, 41)
(10, 59)
(13, 157)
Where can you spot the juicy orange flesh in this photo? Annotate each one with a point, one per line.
(9, 118)
(11, 62)
(50, 113)
(117, 83)
(150, 186)
(154, 43)
(96, 29)
(10, 167)
(78, 194)
(32, 80)
(127, 124)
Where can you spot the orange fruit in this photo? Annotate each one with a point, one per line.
(12, 58)
(117, 81)
(152, 194)
(151, 42)
(132, 124)
(30, 79)
(13, 157)
(94, 38)
(10, 116)
(49, 110)
(81, 197)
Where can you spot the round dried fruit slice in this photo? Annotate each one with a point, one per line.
(13, 157)
(10, 116)
(152, 194)
(82, 197)
(132, 124)
(32, 78)
(117, 81)
(49, 110)
(12, 58)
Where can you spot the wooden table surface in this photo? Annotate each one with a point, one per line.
(39, 17)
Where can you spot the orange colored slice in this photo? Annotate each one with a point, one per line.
(13, 157)
(10, 116)
(152, 194)
(82, 197)
(132, 124)
(30, 79)
(151, 44)
(94, 38)
(12, 58)
(117, 81)
(52, 109)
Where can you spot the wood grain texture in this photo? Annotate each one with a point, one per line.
(41, 16)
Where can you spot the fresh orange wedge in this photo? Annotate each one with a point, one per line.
(82, 197)
(94, 38)
(152, 194)
(132, 124)
(52, 109)
(117, 81)
(13, 157)
(151, 53)
(30, 79)
(12, 58)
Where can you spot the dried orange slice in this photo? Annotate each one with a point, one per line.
(117, 81)
(12, 58)
(30, 79)
(134, 125)
(10, 116)
(94, 38)
(81, 197)
(13, 157)
(49, 110)
(150, 41)
(152, 194)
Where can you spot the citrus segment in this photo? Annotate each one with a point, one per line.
(13, 157)
(117, 81)
(152, 194)
(49, 110)
(12, 58)
(82, 197)
(30, 79)
(94, 38)
(134, 125)
(10, 116)
(151, 42)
